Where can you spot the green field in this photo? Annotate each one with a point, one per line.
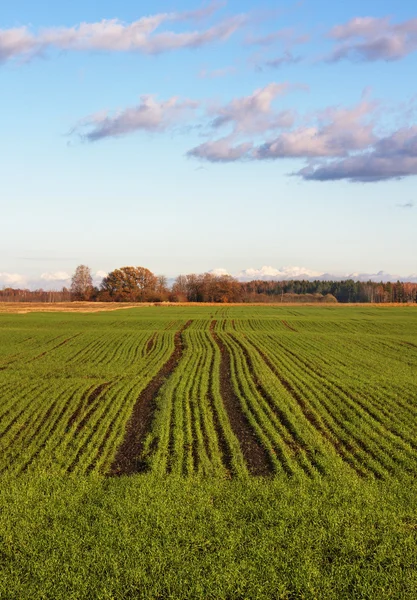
(209, 452)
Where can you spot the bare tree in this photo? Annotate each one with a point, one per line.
(82, 283)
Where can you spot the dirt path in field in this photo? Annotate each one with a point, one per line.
(150, 344)
(128, 456)
(288, 326)
(295, 442)
(255, 455)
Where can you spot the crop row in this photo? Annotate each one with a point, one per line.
(216, 392)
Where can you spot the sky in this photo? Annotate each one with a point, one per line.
(260, 138)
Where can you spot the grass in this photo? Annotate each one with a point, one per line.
(329, 398)
(142, 537)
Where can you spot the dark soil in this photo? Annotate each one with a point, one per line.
(151, 343)
(223, 445)
(128, 457)
(255, 455)
(288, 326)
(95, 393)
(296, 443)
(309, 414)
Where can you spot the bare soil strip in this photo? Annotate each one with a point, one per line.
(288, 326)
(296, 442)
(128, 457)
(151, 343)
(255, 455)
(223, 445)
(310, 415)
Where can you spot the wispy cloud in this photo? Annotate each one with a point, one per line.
(247, 115)
(215, 73)
(114, 36)
(149, 115)
(337, 143)
(287, 58)
(334, 132)
(390, 157)
(254, 113)
(406, 205)
(222, 150)
(337, 132)
(288, 36)
(372, 39)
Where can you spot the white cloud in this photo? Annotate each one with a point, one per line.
(268, 272)
(149, 115)
(219, 272)
(60, 276)
(114, 36)
(371, 39)
(12, 279)
(254, 113)
(222, 150)
(338, 131)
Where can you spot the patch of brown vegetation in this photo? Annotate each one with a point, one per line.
(23, 308)
(93, 307)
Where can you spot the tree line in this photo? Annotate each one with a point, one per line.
(138, 284)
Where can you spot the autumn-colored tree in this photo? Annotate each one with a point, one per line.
(82, 283)
(207, 287)
(129, 284)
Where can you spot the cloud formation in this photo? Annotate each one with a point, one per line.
(11, 279)
(222, 150)
(58, 276)
(287, 58)
(268, 273)
(337, 132)
(391, 157)
(149, 115)
(114, 36)
(254, 113)
(337, 143)
(288, 36)
(372, 39)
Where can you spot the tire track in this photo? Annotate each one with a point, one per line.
(343, 449)
(256, 457)
(225, 451)
(128, 456)
(288, 326)
(294, 441)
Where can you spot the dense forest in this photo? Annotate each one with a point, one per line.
(138, 284)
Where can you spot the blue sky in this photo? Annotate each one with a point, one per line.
(211, 135)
